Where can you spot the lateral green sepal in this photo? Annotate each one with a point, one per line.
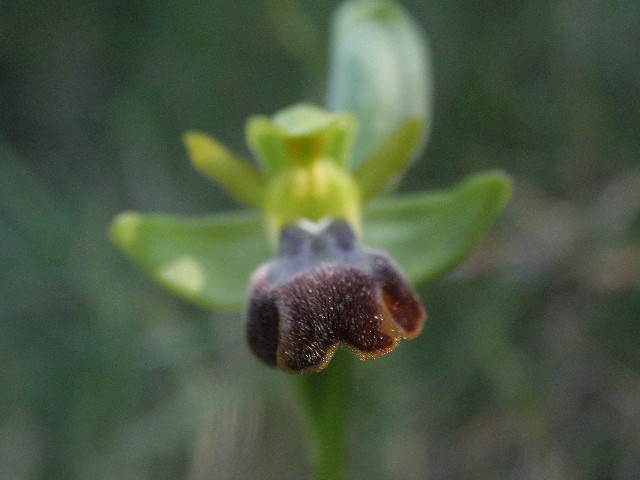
(205, 260)
(429, 233)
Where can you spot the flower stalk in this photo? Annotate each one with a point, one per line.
(325, 399)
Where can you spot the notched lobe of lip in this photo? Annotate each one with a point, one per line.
(325, 291)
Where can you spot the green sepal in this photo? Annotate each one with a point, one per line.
(379, 70)
(238, 177)
(265, 142)
(209, 260)
(299, 135)
(428, 234)
(205, 260)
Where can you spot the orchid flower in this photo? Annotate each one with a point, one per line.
(326, 255)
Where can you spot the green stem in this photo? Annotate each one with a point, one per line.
(325, 398)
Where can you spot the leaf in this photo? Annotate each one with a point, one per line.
(430, 233)
(380, 71)
(206, 260)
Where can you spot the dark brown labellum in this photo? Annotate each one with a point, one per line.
(322, 291)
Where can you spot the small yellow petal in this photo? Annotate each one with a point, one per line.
(238, 177)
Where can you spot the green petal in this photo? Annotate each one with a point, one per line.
(239, 178)
(387, 163)
(206, 260)
(430, 233)
(379, 70)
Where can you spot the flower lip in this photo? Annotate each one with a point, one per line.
(308, 244)
(324, 290)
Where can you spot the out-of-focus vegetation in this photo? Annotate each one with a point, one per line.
(529, 366)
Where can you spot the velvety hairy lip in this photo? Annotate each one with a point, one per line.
(322, 291)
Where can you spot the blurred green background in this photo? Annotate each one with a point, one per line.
(529, 366)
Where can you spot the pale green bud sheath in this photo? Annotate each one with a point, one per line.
(380, 70)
